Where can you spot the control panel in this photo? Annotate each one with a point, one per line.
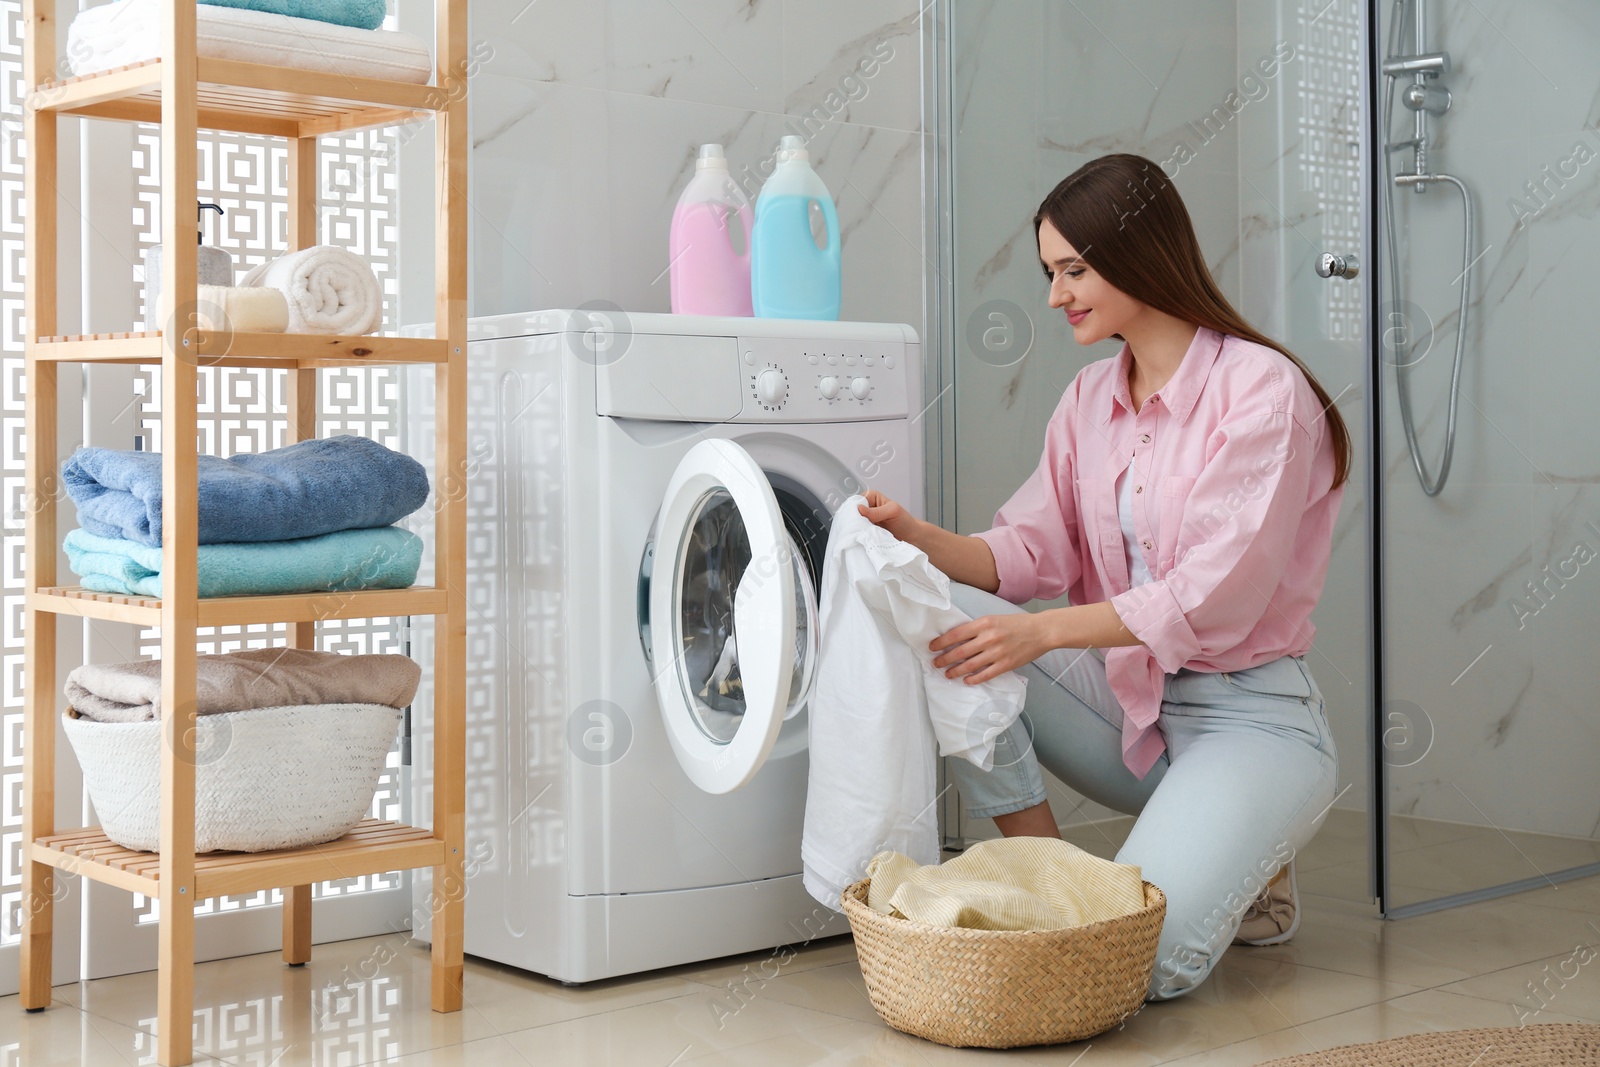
(768, 371)
(790, 380)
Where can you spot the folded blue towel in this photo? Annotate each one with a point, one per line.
(385, 558)
(362, 14)
(303, 490)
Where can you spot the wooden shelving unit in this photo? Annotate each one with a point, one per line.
(185, 94)
(209, 349)
(243, 610)
(245, 98)
(372, 847)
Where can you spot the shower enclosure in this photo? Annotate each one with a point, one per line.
(1398, 191)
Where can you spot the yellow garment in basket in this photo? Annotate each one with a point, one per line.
(1017, 883)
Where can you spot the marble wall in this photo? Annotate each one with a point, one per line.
(587, 113)
(1493, 587)
(1041, 88)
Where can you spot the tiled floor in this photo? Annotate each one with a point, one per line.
(1347, 977)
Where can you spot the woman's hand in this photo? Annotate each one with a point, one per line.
(968, 560)
(989, 646)
(883, 512)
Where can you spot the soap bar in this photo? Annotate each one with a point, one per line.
(213, 266)
(241, 310)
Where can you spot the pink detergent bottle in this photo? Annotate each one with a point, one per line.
(710, 242)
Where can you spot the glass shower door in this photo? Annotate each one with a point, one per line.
(1491, 587)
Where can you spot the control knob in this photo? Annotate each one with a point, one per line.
(859, 388)
(828, 387)
(772, 387)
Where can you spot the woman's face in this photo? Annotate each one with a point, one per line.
(1093, 307)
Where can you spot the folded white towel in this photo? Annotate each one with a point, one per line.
(232, 309)
(129, 31)
(329, 290)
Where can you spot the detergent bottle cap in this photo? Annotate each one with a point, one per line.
(710, 157)
(792, 149)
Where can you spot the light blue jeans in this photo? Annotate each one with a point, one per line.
(1248, 775)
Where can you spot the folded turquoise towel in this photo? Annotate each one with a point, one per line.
(362, 14)
(383, 558)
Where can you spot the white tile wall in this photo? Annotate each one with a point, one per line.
(586, 119)
(861, 62)
(543, 40)
(724, 52)
(1039, 90)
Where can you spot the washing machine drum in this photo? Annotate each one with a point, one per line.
(730, 617)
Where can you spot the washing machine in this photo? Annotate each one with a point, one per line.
(649, 500)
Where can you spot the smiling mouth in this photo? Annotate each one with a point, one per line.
(1076, 317)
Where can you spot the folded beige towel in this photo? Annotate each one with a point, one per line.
(240, 309)
(241, 681)
(1017, 883)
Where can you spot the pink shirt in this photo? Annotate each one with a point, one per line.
(1238, 459)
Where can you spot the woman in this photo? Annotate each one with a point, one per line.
(1185, 501)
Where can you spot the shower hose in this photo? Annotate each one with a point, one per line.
(1395, 325)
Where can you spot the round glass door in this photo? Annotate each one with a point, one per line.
(733, 617)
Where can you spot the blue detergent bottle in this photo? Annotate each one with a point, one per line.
(794, 246)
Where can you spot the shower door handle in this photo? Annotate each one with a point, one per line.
(1332, 266)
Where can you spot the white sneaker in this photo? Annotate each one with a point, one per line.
(1275, 915)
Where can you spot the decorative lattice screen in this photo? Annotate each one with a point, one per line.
(11, 472)
(243, 409)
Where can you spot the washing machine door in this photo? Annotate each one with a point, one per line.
(733, 627)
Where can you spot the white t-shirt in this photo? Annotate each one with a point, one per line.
(1138, 571)
(881, 713)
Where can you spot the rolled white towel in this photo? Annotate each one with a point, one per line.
(233, 309)
(329, 290)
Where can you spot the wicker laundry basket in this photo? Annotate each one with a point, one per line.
(264, 779)
(1005, 988)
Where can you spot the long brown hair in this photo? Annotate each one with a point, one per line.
(1125, 218)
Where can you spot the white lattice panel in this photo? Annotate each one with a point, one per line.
(12, 389)
(243, 409)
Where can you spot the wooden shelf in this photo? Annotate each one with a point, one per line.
(184, 94)
(374, 846)
(245, 610)
(206, 348)
(245, 98)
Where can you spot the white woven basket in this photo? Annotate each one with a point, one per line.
(263, 779)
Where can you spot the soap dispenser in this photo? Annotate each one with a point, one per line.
(794, 253)
(213, 266)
